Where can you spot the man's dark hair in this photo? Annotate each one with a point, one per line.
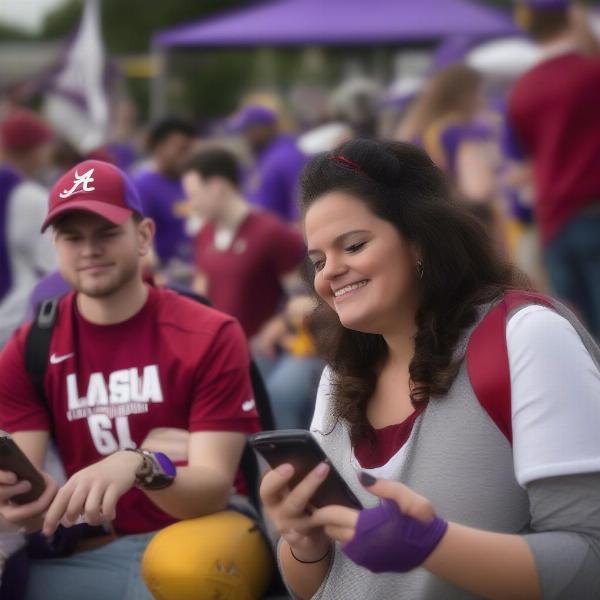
(161, 130)
(544, 25)
(215, 162)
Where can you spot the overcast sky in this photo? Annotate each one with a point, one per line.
(26, 14)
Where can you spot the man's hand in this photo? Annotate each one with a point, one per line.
(28, 516)
(267, 340)
(93, 492)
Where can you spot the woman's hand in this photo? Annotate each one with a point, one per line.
(340, 522)
(289, 510)
(394, 537)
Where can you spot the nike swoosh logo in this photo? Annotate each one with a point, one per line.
(248, 405)
(54, 359)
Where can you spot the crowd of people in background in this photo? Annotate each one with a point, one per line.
(524, 161)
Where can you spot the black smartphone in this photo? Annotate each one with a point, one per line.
(301, 450)
(12, 459)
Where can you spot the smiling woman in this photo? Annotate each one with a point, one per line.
(404, 276)
(353, 273)
(389, 226)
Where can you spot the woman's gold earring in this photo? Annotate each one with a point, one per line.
(420, 269)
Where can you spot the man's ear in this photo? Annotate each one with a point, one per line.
(146, 230)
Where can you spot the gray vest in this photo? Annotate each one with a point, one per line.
(458, 459)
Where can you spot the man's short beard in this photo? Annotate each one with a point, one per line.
(128, 273)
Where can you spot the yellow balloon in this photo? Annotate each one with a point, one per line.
(218, 557)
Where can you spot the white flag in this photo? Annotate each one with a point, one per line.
(77, 103)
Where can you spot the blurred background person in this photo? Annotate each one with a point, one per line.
(555, 124)
(122, 145)
(355, 101)
(272, 181)
(25, 255)
(169, 143)
(247, 263)
(444, 119)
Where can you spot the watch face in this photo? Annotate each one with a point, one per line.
(165, 464)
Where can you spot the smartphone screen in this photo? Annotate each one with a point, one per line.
(12, 459)
(300, 449)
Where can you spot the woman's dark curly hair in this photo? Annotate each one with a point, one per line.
(461, 270)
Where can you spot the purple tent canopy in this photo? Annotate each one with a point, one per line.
(340, 22)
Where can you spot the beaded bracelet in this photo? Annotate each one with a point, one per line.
(310, 562)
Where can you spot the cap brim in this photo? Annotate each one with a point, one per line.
(115, 214)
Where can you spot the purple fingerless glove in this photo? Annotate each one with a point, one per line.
(388, 541)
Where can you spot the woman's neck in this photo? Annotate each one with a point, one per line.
(401, 348)
(400, 335)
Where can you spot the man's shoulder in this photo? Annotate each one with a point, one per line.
(269, 230)
(265, 222)
(146, 177)
(565, 65)
(188, 316)
(284, 148)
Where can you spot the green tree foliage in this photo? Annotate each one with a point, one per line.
(128, 25)
(12, 34)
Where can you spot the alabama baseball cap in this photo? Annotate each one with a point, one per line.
(253, 114)
(97, 187)
(23, 130)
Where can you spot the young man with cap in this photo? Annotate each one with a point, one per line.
(554, 120)
(124, 359)
(272, 182)
(24, 255)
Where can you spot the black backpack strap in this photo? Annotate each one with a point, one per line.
(37, 346)
(261, 397)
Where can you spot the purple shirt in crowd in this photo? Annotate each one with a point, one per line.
(51, 286)
(124, 154)
(160, 195)
(9, 179)
(273, 182)
(454, 135)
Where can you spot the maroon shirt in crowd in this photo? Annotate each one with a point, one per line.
(554, 113)
(244, 280)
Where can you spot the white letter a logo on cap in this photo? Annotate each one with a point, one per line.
(80, 180)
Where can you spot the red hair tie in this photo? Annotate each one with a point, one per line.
(348, 163)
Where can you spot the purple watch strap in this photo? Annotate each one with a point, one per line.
(386, 540)
(165, 463)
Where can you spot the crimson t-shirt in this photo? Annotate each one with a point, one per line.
(244, 280)
(176, 363)
(554, 115)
